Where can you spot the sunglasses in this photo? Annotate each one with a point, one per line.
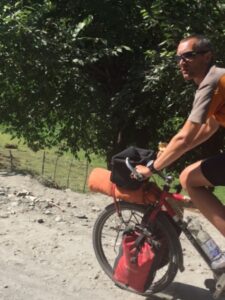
(189, 55)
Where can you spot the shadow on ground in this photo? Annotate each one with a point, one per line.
(181, 291)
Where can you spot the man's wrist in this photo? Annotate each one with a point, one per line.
(150, 165)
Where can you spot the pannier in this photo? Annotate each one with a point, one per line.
(136, 262)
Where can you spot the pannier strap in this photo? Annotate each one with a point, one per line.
(138, 244)
(115, 200)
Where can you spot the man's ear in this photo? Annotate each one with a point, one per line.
(209, 56)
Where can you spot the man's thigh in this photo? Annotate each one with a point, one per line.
(213, 168)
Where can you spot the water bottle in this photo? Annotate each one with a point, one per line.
(205, 241)
(208, 245)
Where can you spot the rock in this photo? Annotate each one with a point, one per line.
(95, 209)
(96, 276)
(82, 217)
(4, 215)
(40, 221)
(31, 198)
(59, 219)
(11, 196)
(22, 193)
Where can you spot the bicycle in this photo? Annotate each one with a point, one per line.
(159, 216)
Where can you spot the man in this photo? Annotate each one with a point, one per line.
(195, 60)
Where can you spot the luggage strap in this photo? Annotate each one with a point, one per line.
(117, 206)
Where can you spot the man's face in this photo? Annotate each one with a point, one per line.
(193, 64)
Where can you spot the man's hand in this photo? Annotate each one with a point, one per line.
(143, 170)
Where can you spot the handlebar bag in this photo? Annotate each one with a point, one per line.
(121, 175)
(136, 262)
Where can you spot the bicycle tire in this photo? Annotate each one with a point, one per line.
(131, 215)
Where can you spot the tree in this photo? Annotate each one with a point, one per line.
(98, 75)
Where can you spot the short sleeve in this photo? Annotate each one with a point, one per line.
(201, 104)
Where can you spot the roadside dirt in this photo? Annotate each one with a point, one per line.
(46, 247)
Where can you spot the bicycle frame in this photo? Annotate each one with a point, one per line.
(163, 205)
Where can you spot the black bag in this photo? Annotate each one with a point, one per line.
(120, 174)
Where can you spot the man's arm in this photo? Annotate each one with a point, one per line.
(191, 135)
(205, 132)
(178, 145)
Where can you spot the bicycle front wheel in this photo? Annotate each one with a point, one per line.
(107, 237)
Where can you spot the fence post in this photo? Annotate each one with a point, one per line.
(56, 164)
(68, 177)
(43, 164)
(11, 160)
(86, 175)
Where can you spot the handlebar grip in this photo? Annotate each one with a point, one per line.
(137, 176)
(140, 177)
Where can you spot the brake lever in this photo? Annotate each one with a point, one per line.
(137, 176)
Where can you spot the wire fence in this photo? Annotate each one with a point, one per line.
(60, 171)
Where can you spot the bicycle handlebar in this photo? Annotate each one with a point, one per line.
(138, 176)
(168, 179)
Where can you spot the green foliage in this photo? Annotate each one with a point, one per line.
(98, 75)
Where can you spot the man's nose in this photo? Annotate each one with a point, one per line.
(182, 61)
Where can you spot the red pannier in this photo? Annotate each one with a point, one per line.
(136, 263)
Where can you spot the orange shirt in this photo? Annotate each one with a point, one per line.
(217, 105)
(209, 97)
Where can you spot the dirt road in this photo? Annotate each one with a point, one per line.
(46, 248)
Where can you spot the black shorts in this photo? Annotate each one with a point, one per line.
(213, 169)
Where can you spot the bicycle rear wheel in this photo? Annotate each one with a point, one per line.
(107, 235)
